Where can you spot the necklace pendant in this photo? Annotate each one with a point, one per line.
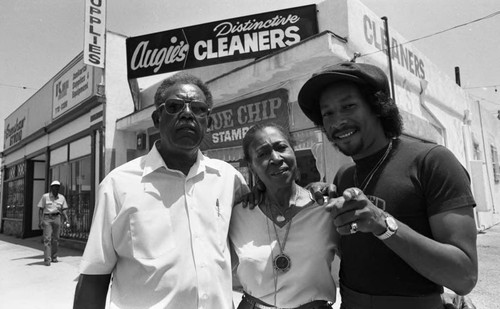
(282, 262)
(280, 218)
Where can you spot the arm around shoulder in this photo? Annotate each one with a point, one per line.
(91, 291)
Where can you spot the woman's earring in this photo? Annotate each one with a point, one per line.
(261, 188)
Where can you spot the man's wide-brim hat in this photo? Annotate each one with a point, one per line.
(55, 183)
(359, 73)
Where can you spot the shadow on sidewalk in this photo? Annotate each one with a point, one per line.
(37, 244)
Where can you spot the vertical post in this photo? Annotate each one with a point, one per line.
(389, 57)
(485, 151)
(457, 76)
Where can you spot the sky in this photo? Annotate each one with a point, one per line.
(39, 37)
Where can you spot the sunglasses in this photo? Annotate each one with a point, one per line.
(175, 106)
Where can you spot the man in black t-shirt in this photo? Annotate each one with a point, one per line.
(405, 211)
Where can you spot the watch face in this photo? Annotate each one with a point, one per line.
(391, 224)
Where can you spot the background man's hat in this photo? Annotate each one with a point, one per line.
(55, 183)
(360, 73)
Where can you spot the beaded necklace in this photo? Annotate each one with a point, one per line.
(369, 177)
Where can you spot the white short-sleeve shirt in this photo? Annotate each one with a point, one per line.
(52, 205)
(311, 245)
(163, 235)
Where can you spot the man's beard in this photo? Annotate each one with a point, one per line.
(345, 151)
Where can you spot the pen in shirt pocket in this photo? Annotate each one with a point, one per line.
(218, 208)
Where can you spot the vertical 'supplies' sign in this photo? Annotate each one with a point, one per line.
(95, 32)
(234, 39)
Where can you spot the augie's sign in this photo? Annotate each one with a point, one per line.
(234, 39)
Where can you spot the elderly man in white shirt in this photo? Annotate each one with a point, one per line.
(161, 221)
(51, 207)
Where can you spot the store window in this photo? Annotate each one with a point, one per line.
(75, 178)
(60, 172)
(306, 164)
(14, 191)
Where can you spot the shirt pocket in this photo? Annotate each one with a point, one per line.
(151, 233)
(222, 214)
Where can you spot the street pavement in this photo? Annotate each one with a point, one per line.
(486, 294)
(25, 282)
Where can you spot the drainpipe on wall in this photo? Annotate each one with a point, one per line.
(101, 93)
(466, 132)
(423, 87)
(485, 152)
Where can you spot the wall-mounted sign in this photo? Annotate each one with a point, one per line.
(13, 132)
(367, 35)
(231, 122)
(374, 34)
(94, 33)
(72, 88)
(228, 40)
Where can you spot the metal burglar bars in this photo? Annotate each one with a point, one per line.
(75, 180)
(13, 205)
(79, 217)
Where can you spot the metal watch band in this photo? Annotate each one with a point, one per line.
(388, 233)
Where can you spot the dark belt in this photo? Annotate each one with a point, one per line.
(52, 215)
(355, 300)
(258, 304)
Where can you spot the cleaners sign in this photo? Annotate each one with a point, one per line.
(231, 122)
(234, 39)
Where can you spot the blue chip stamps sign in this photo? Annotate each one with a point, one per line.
(234, 39)
(230, 122)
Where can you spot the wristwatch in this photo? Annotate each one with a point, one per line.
(392, 227)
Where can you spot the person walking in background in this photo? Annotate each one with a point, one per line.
(405, 209)
(286, 245)
(161, 221)
(51, 206)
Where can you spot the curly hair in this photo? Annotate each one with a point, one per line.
(182, 78)
(383, 106)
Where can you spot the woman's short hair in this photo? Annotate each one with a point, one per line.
(250, 137)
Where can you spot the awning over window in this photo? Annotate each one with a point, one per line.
(302, 139)
(225, 154)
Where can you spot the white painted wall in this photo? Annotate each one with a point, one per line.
(119, 102)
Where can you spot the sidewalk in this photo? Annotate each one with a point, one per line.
(485, 294)
(25, 282)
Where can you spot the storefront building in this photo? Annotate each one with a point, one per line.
(97, 133)
(56, 134)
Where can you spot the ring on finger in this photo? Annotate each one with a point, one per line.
(354, 228)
